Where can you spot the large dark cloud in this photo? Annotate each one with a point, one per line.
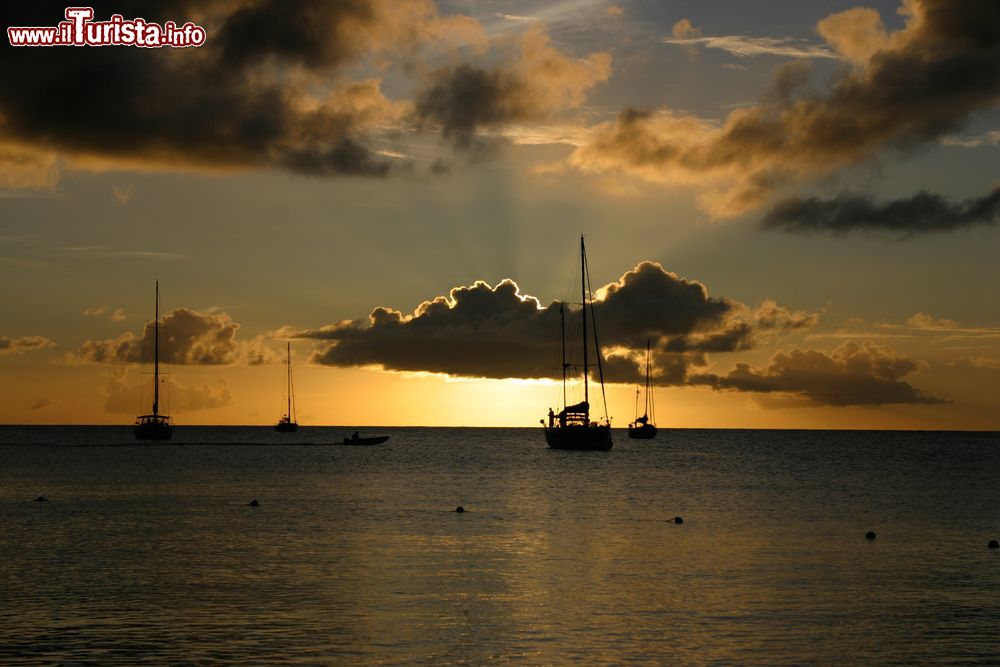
(231, 103)
(923, 213)
(495, 332)
(853, 374)
(186, 337)
(906, 89)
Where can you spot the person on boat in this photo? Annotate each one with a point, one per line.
(355, 435)
(552, 417)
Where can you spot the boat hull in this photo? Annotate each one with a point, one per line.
(374, 440)
(644, 432)
(153, 430)
(286, 427)
(594, 438)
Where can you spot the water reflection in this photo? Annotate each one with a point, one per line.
(356, 555)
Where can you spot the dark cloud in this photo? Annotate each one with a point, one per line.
(923, 213)
(905, 90)
(231, 103)
(187, 337)
(42, 403)
(853, 374)
(464, 99)
(496, 332)
(309, 33)
(9, 345)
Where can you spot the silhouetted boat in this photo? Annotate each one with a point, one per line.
(644, 428)
(154, 426)
(356, 439)
(287, 423)
(572, 428)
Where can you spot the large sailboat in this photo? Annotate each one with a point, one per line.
(644, 427)
(287, 423)
(571, 428)
(154, 426)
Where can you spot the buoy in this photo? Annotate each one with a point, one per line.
(993, 544)
(870, 535)
(254, 503)
(678, 519)
(41, 499)
(459, 509)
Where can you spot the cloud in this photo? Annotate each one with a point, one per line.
(497, 332)
(515, 17)
(187, 337)
(124, 398)
(9, 345)
(118, 315)
(986, 139)
(989, 363)
(541, 82)
(923, 83)
(42, 403)
(123, 193)
(852, 375)
(856, 34)
(923, 213)
(749, 47)
(257, 95)
(925, 321)
(684, 29)
(26, 168)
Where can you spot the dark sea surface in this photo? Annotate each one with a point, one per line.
(149, 553)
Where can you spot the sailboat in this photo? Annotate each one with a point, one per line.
(154, 426)
(572, 428)
(287, 423)
(643, 428)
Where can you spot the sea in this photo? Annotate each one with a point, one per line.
(701, 547)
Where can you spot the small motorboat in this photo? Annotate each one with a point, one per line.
(357, 439)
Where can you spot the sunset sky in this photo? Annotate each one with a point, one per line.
(797, 202)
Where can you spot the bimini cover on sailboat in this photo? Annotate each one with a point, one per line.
(579, 408)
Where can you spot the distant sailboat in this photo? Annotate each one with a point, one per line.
(572, 428)
(287, 423)
(644, 427)
(154, 426)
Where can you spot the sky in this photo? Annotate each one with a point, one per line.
(795, 203)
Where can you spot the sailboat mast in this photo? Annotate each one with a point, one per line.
(583, 291)
(647, 380)
(156, 352)
(562, 331)
(288, 380)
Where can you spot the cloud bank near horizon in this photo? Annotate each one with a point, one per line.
(484, 331)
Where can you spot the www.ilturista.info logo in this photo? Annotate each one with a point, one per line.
(79, 29)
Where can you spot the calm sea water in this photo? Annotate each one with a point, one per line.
(150, 552)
